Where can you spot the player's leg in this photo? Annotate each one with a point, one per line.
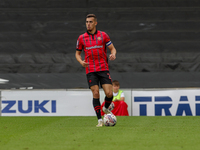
(109, 96)
(96, 101)
(93, 83)
(106, 83)
(97, 104)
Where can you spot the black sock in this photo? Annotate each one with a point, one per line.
(108, 101)
(97, 107)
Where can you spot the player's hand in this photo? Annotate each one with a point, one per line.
(84, 64)
(112, 57)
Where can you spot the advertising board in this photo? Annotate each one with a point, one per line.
(167, 102)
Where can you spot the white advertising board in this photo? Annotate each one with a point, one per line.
(144, 102)
(174, 102)
(46, 103)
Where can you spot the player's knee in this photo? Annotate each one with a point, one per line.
(109, 94)
(96, 94)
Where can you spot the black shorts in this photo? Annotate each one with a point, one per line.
(96, 78)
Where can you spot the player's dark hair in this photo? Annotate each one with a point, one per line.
(91, 15)
(115, 82)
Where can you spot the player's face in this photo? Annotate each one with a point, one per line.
(91, 24)
(115, 88)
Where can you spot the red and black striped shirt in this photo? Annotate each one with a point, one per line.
(94, 46)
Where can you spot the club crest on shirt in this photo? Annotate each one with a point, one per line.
(99, 38)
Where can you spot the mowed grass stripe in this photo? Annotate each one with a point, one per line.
(63, 133)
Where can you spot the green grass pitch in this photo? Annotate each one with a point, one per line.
(81, 133)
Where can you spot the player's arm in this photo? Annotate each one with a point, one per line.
(113, 51)
(79, 59)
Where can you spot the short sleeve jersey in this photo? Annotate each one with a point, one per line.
(94, 46)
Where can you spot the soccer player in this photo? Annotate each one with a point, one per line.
(94, 43)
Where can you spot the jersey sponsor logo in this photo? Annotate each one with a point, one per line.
(35, 106)
(94, 47)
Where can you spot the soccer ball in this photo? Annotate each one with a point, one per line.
(111, 107)
(109, 120)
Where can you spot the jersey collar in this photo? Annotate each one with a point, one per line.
(92, 34)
